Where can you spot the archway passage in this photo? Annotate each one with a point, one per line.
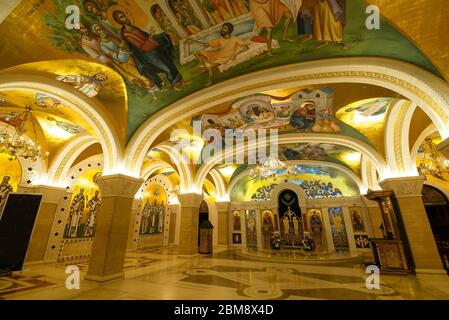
(437, 209)
(203, 216)
(292, 229)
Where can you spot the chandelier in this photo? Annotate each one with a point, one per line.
(273, 168)
(435, 165)
(16, 144)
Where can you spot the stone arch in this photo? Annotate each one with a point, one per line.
(184, 171)
(94, 162)
(65, 157)
(84, 106)
(372, 154)
(417, 85)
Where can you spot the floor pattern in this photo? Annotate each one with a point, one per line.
(225, 275)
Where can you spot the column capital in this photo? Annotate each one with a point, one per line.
(119, 185)
(404, 186)
(223, 206)
(443, 147)
(190, 200)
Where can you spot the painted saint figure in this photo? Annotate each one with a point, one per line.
(152, 53)
(76, 211)
(145, 218)
(93, 8)
(93, 205)
(5, 190)
(164, 23)
(89, 85)
(120, 58)
(329, 22)
(186, 16)
(267, 229)
(68, 127)
(161, 216)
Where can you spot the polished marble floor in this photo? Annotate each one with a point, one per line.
(227, 274)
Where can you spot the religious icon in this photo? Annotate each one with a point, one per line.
(316, 227)
(357, 219)
(93, 205)
(338, 229)
(251, 234)
(66, 126)
(267, 228)
(185, 15)
(5, 189)
(76, 211)
(236, 220)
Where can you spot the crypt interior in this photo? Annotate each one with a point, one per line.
(190, 149)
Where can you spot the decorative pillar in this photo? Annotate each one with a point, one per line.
(134, 226)
(223, 222)
(328, 229)
(349, 230)
(52, 197)
(421, 242)
(190, 212)
(259, 235)
(243, 227)
(174, 219)
(111, 234)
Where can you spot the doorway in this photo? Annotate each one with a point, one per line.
(437, 209)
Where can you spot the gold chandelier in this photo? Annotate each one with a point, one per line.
(273, 168)
(17, 145)
(435, 165)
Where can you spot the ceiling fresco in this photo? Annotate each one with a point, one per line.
(188, 43)
(317, 182)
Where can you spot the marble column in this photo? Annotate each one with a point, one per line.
(443, 147)
(52, 197)
(416, 224)
(111, 234)
(223, 222)
(190, 211)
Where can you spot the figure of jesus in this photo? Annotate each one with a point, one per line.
(269, 13)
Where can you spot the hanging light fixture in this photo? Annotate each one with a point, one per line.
(432, 163)
(17, 145)
(273, 168)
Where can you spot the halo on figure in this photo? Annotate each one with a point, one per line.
(110, 11)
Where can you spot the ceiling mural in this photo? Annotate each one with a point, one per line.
(306, 111)
(317, 182)
(94, 80)
(369, 118)
(166, 50)
(322, 152)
